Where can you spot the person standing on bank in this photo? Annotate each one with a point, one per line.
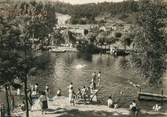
(83, 91)
(43, 102)
(72, 96)
(47, 90)
(71, 85)
(99, 78)
(93, 76)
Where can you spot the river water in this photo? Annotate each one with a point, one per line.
(118, 79)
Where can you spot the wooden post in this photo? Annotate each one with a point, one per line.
(162, 93)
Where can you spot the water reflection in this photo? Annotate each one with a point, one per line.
(69, 58)
(73, 67)
(70, 67)
(85, 56)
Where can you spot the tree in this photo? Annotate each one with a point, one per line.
(37, 21)
(22, 24)
(150, 42)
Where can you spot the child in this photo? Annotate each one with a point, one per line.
(109, 102)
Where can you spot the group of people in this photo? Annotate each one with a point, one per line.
(84, 93)
(43, 98)
(35, 93)
(133, 107)
(35, 89)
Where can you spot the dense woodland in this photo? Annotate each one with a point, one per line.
(26, 27)
(90, 11)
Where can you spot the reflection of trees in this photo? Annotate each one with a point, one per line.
(69, 58)
(123, 63)
(108, 60)
(100, 60)
(85, 56)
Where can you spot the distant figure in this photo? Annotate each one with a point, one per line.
(83, 91)
(72, 96)
(34, 93)
(23, 106)
(133, 106)
(93, 85)
(59, 92)
(99, 78)
(110, 102)
(18, 92)
(79, 94)
(88, 93)
(71, 85)
(43, 102)
(47, 90)
(156, 107)
(93, 76)
(36, 88)
(134, 109)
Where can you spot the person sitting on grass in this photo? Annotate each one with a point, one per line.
(156, 107)
(134, 109)
(23, 106)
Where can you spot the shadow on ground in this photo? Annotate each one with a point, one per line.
(61, 112)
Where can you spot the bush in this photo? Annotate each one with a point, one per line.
(118, 35)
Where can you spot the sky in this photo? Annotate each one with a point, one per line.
(86, 1)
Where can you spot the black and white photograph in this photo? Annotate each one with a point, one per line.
(83, 58)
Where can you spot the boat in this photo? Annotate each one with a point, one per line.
(62, 49)
(118, 52)
(57, 50)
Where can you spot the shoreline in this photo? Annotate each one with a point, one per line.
(60, 107)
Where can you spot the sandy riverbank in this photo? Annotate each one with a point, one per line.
(60, 107)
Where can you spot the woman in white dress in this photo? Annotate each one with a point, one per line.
(71, 96)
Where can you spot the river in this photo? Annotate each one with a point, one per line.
(117, 76)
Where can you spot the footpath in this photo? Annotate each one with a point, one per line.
(60, 107)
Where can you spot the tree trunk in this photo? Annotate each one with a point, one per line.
(26, 96)
(7, 101)
(12, 99)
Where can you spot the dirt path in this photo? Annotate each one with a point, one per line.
(60, 107)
